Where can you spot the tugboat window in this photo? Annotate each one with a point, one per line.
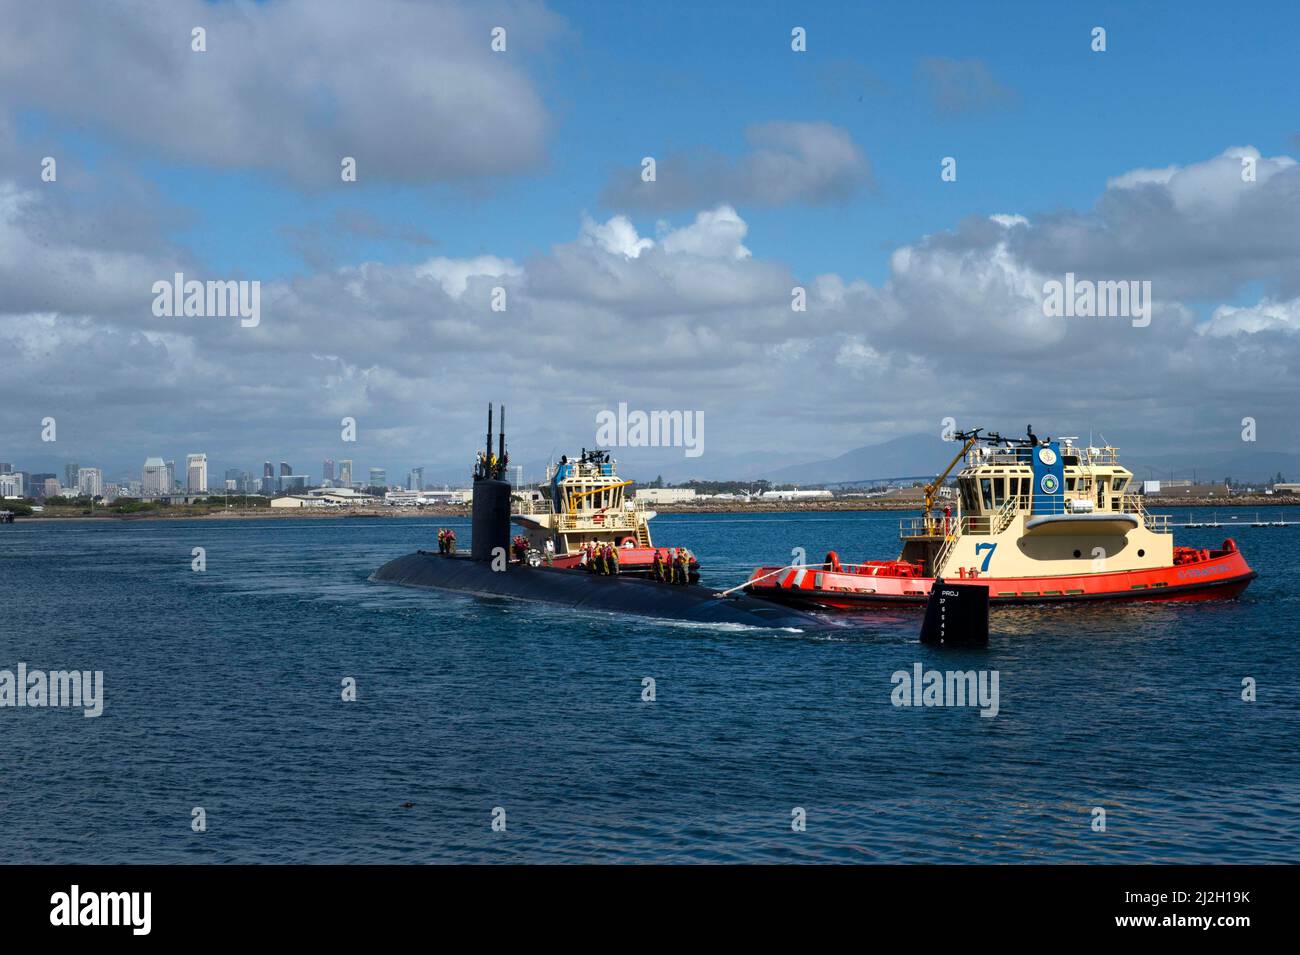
(986, 491)
(968, 494)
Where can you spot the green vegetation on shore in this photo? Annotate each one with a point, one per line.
(135, 507)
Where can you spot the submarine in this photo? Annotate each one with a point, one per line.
(486, 571)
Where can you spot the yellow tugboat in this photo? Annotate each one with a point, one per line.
(1033, 521)
(582, 504)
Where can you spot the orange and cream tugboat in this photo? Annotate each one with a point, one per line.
(581, 508)
(1034, 521)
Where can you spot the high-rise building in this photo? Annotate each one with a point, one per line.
(378, 477)
(236, 480)
(6, 468)
(415, 480)
(345, 472)
(11, 485)
(90, 482)
(50, 487)
(196, 474)
(172, 482)
(36, 483)
(70, 474)
(327, 470)
(155, 479)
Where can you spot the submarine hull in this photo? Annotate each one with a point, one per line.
(586, 591)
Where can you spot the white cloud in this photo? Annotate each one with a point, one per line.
(454, 274)
(1265, 316)
(1136, 178)
(1198, 232)
(1007, 221)
(412, 91)
(809, 162)
(715, 234)
(618, 235)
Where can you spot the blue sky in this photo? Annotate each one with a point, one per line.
(637, 80)
(478, 168)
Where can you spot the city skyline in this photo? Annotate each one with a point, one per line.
(157, 477)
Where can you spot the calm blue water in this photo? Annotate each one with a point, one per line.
(223, 691)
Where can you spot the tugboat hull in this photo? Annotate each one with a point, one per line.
(1201, 575)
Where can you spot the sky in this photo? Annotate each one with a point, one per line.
(521, 170)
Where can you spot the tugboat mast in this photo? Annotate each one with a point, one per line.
(969, 438)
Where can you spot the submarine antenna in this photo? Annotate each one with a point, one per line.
(501, 446)
(490, 528)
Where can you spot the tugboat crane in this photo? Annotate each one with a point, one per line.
(968, 438)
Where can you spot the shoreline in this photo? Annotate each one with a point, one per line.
(702, 507)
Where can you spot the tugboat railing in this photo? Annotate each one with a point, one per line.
(941, 558)
(611, 521)
(529, 506)
(1087, 456)
(982, 524)
(1007, 513)
(949, 529)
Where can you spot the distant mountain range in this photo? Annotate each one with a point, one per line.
(908, 456)
(1213, 466)
(912, 456)
(916, 454)
(925, 455)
